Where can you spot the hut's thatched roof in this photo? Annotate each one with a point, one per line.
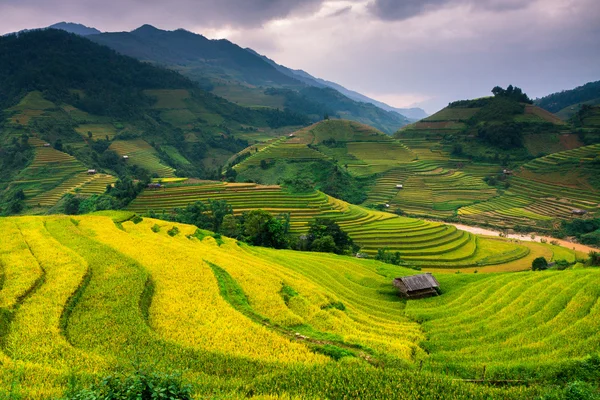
(419, 282)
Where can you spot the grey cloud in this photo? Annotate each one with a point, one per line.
(237, 13)
(395, 10)
(340, 12)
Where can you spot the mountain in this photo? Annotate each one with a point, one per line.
(69, 105)
(213, 59)
(412, 113)
(244, 77)
(493, 127)
(566, 103)
(77, 29)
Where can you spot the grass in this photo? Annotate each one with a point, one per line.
(226, 316)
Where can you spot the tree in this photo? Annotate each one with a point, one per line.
(72, 205)
(324, 244)
(322, 227)
(262, 229)
(594, 258)
(58, 145)
(539, 264)
(219, 209)
(230, 226)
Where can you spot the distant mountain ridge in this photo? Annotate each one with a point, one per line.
(412, 113)
(241, 75)
(567, 102)
(78, 29)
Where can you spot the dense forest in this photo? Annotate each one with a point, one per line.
(557, 101)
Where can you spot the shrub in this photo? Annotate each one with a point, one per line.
(155, 228)
(137, 219)
(174, 231)
(539, 264)
(140, 385)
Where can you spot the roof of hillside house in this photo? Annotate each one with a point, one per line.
(419, 282)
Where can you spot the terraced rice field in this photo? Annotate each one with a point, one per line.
(83, 298)
(546, 189)
(425, 244)
(431, 188)
(99, 131)
(142, 154)
(500, 322)
(282, 151)
(56, 168)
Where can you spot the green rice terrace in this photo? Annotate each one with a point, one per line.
(52, 174)
(420, 243)
(544, 190)
(247, 322)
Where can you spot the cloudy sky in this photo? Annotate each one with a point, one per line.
(404, 52)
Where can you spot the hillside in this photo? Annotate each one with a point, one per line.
(244, 77)
(566, 103)
(266, 322)
(75, 105)
(420, 243)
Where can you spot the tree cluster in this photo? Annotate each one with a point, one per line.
(512, 92)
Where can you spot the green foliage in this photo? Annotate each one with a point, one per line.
(557, 101)
(587, 231)
(539, 264)
(141, 385)
(112, 82)
(230, 226)
(387, 257)
(505, 136)
(511, 92)
(325, 235)
(204, 216)
(325, 244)
(155, 228)
(137, 219)
(287, 292)
(260, 228)
(335, 352)
(594, 259)
(174, 231)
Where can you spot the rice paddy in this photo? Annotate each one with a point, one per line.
(420, 243)
(142, 154)
(85, 297)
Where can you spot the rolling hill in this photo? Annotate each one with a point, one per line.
(243, 322)
(75, 105)
(243, 76)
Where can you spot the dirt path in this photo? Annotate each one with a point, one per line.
(526, 238)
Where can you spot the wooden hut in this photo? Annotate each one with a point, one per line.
(507, 172)
(399, 187)
(417, 286)
(154, 186)
(91, 172)
(578, 211)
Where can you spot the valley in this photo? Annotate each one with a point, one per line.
(184, 218)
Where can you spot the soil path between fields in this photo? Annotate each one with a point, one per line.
(526, 238)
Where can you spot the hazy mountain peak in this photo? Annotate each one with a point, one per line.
(78, 29)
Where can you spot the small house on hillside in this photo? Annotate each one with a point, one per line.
(92, 172)
(578, 211)
(46, 144)
(417, 286)
(507, 172)
(154, 186)
(399, 187)
(125, 157)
